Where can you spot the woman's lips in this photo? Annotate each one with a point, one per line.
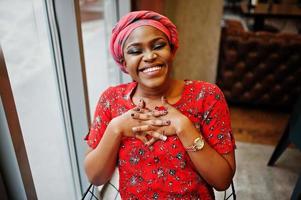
(151, 70)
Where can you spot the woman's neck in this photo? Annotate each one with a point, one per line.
(155, 93)
(172, 90)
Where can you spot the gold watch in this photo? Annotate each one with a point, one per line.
(198, 144)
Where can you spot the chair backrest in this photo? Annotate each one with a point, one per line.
(259, 68)
(295, 124)
(92, 193)
(232, 195)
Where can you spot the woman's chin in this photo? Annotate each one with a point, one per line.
(154, 79)
(154, 83)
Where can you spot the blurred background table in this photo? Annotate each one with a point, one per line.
(262, 11)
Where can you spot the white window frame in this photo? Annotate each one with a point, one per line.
(66, 34)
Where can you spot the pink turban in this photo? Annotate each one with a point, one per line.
(132, 20)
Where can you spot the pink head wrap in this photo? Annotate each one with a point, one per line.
(131, 21)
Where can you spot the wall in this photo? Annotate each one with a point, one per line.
(198, 24)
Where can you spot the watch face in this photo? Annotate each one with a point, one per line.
(199, 144)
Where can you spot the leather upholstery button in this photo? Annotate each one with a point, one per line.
(259, 68)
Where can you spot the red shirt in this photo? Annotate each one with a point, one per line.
(164, 170)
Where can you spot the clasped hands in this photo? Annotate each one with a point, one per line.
(151, 125)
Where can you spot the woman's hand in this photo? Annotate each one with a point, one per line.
(133, 123)
(177, 121)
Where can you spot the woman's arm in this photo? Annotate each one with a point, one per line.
(217, 169)
(100, 163)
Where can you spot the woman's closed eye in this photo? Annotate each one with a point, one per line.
(134, 51)
(137, 51)
(159, 46)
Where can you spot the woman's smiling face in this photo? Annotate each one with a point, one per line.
(148, 56)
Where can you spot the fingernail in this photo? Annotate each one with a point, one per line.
(134, 129)
(163, 137)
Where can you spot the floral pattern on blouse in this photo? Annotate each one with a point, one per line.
(164, 170)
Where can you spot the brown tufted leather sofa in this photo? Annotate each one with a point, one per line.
(259, 68)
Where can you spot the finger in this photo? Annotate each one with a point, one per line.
(141, 103)
(151, 141)
(142, 138)
(168, 131)
(164, 100)
(159, 113)
(141, 116)
(165, 103)
(140, 110)
(158, 135)
(160, 122)
(142, 128)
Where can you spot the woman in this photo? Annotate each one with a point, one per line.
(171, 139)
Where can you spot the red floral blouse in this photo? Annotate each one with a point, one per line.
(164, 170)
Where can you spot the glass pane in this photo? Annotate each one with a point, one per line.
(95, 48)
(25, 42)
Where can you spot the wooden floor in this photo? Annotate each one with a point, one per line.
(257, 126)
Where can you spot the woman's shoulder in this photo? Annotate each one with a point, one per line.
(203, 85)
(120, 90)
(203, 91)
(121, 87)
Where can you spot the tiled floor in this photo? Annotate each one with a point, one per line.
(257, 132)
(254, 180)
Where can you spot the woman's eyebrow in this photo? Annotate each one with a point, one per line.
(133, 44)
(139, 43)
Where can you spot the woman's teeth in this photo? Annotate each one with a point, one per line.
(151, 69)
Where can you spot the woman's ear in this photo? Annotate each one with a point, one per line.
(125, 67)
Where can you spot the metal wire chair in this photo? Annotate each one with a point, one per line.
(232, 194)
(92, 192)
(108, 191)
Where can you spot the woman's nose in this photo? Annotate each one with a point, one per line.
(149, 56)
